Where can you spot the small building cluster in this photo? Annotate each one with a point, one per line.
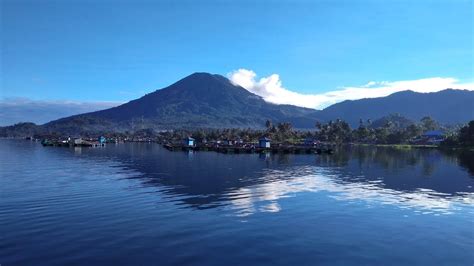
(263, 142)
(432, 137)
(76, 142)
(263, 145)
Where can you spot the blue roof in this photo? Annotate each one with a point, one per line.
(264, 139)
(434, 133)
(188, 138)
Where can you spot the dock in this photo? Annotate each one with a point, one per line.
(51, 143)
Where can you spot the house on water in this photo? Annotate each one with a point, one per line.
(189, 141)
(228, 142)
(310, 142)
(433, 137)
(264, 142)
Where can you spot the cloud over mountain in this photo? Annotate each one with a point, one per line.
(272, 90)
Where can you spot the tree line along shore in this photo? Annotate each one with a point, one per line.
(426, 133)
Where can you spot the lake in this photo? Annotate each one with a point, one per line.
(137, 203)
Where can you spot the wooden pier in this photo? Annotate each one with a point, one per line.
(69, 144)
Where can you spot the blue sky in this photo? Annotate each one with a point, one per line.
(118, 50)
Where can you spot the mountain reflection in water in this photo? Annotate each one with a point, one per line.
(424, 180)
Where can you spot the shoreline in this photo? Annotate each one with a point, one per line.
(397, 146)
(416, 146)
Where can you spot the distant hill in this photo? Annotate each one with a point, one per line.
(20, 130)
(16, 110)
(198, 100)
(447, 107)
(396, 120)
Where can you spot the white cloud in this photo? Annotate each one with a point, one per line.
(271, 89)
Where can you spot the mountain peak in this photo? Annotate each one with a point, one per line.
(404, 92)
(205, 76)
(445, 106)
(200, 75)
(201, 80)
(445, 91)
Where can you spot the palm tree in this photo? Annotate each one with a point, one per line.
(318, 125)
(268, 124)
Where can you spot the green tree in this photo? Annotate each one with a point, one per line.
(466, 134)
(268, 124)
(429, 123)
(318, 125)
(413, 131)
(381, 135)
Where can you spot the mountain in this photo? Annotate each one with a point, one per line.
(447, 107)
(198, 100)
(212, 101)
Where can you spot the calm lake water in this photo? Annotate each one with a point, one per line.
(135, 204)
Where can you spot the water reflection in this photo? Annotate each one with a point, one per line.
(264, 197)
(424, 180)
(465, 159)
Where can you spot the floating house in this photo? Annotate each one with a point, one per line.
(264, 142)
(101, 139)
(228, 142)
(433, 137)
(310, 142)
(189, 141)
(433, 134)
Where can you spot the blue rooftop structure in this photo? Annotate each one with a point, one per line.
(433, 137)
(433, 134)
(102, 139)
(264, 142)
(189, 141)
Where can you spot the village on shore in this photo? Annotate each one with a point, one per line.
(278, 139)
(264, 144)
